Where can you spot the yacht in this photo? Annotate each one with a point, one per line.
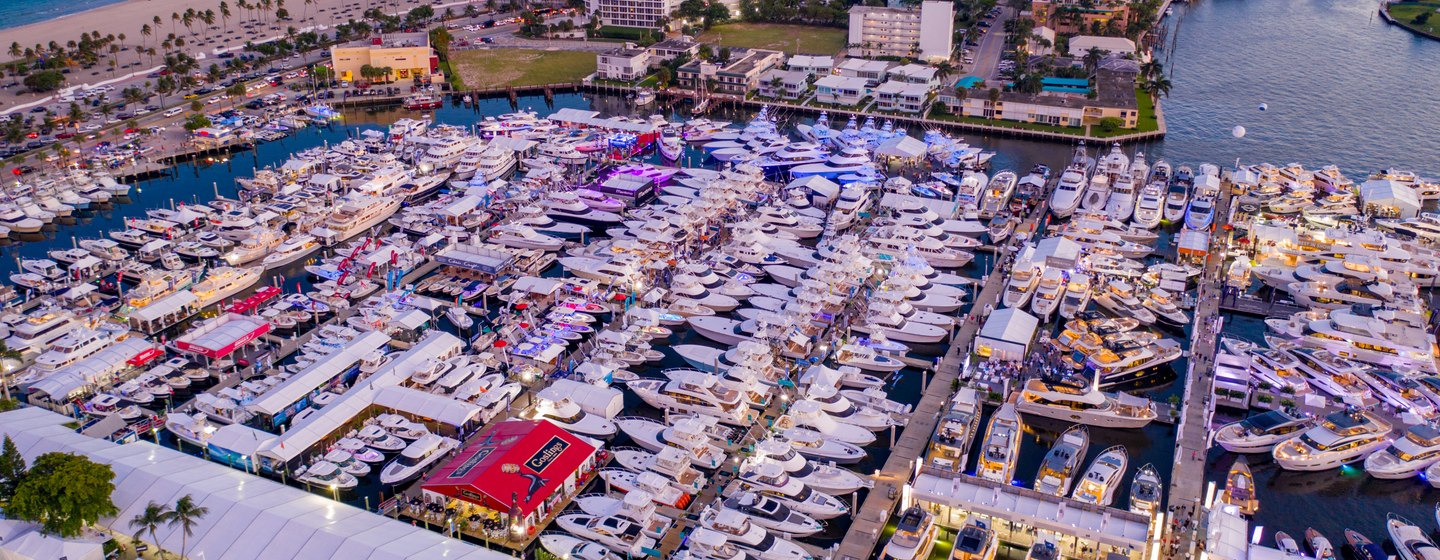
(1240, 488)
(39, 328)
(997, 193)
(1364, 549)
(691, 433)
(1412, 542)
(1340, 439)
(822, 476)
(1201, 211)
(1001, 446)
(1048, 292)
(1408, 455)
(769, 478)
(771, 514)
(1023, 280)
(738, 530)
(380, 439)
(1063, 460)
(693, 392)
(1068, 192)
(356, 213)
(1146, 491)
(1334, 375)
(223, 282)
(523, 237)
(816, 446)
(565, 546)
(1076, 297)
(293, 249)
(1079, 400)
(74, 346)
(1320, 546)
(1150, 206)
(950, 445)
(1262, 432)
(416, 458)
(194, 429)
(325, 474)
(1103, 477)
(976, 541)
(915, 534)
(1096, 194)
(561, 411)
(616, 532)
(1120, 204)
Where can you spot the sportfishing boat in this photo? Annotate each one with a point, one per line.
(755, 540)
(566, 546)
(816, 446)
(1001, 448)
(1240, 488)
(915, 534)
(818, 475)
(1103, 477)
(1340, 439)
(416, 458)
(1262, 432)
(1063, 460)
(770, 479)
(1146, 491)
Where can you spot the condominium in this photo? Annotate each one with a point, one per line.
(926, 33)
(632, 13)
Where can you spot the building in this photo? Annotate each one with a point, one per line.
(873, 71)
(671, 48)
(1059, 105)
(407, 55)
(1006, 334)
(739, 75)
(625, 63)
(814, 65)
(926, 33)
(644, 14)
(1081, 44)
(899, 96)
(841, 90)
(784, 84)
(1068, 17)
(915, 74)
(1042, 49)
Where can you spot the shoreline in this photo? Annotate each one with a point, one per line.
(1385, 13)
(107, 4)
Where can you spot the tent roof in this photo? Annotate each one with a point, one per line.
(317, 374)
(20, 540)
(442, 409)
(164, 306)
(1010, 325)
(1115, 527)
(250, 517)
(220, 336)
(90, 370)
(901, 146)
(543, 453)
(1386, 191)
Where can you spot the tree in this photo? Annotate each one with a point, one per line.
(1421, 19)
(196, 105)
(724, 54)
(1111, 124)
(664, 76)
(64, 493)
(440, 39)
(76, 114)
(149, 521)
(44, 80)
(186, 514)
(1152, 68)
(1158, 87)
(1093, 58)
(15, 49)
(961, 92)
(225, 15)
(12, 471)
(196, 122)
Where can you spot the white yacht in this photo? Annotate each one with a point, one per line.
(560, 410)
(1069, 190)
(1340, 439)
(975, 541)
(1080, 400)
(416, 457)
(1057, 470)
(1408, 455)
(770, 479)
(1177, 197)
(1262, 432)
(356, 213)
(1048, 292)
(1150, 206)
(74, 346)
(565, 546)
(1023, 279)
(1076, 297)
(223, 282)
(822, 476)
(915, 534)
(816, 446)
(950, 445)
(39, 328)
(293, 249)
(1412, 542)
(523, 237)
(324, 474)
(1001, 446)
(616, 532)
(739, 530)
(697, 393)
(1103, 477)
(691, 433)
(1146, 491)
(772, 514)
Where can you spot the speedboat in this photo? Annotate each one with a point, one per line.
(770, 479)
(1342, 438)
(1287, 545)
(416, 458)
(816, 446)
(1261, 433)
(1001, 447)
(325, 474)
(1146, 491)
(565, 546)
(1063, 460)
(1364, 549)
(914, 536)
(1320, 547)
(379, 439)
(1103, 477)
(738, 530)
(1240, 488)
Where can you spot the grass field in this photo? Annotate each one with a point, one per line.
(1405, 13)
(494, 68)
(793, 39)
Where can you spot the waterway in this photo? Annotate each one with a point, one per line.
(1340, 87)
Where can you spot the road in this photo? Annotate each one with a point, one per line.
(992, 47)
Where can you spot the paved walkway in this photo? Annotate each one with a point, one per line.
(1187, 480)
(874, 512)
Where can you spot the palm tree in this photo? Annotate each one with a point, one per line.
(1093, 58)
(174, 19)
(961, 92)
(15, 49)
(1152, 69)
(149, 521)
(225, 14)
(1158, 87)
(186, 514)
(208, 16)
(994, 98)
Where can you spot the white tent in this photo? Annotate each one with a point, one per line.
(901, 146)
(250, 517)
(1006, 334)
(1390, 198)
(20, 540)
(319, 373)
(439, 408)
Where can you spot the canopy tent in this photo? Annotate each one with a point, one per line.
(1060, 252)
(602, 401)
(1390, 198)
(1006, 334)
(440, 408)
(902, 147)
(172, 303)
(1194, 244)
(515, 464)
(222, 335)
(249, 516)
(311, 378)
(99, 368)
(20, 540)
(1102, 525)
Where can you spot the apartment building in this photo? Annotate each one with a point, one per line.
(841, 90)
(872, 71)
(1114, 97)
(625, 63)
(904, 97)
(1073, 16)
(926, 33)
(784, 84)
(739, 75)
(814, 65)
(632, 13)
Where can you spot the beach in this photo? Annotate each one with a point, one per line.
(130, 16)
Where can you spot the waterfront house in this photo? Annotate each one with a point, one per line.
(1061, 104)
(814, 65)
(900, 96)
(915, 74)
(926, 32)
(873, 71)
(1081, 44)
(671, 48)
(841, 90)
(738, 75)
(625, 63)
(784, 84)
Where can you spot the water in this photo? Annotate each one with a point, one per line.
(15, 13)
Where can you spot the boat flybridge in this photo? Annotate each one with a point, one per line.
(1342, 438)
(1079, 399)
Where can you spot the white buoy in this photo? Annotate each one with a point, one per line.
(1264, 106)
(1238, 131)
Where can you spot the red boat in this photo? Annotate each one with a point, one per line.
(422, 101)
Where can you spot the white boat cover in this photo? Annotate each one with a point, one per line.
(440, 408)
(311, 378)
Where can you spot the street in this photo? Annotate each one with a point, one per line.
(992, 48)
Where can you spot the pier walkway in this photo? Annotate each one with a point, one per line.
(873, 514)
(1187, 479)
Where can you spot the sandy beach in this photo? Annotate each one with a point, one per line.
(130, 16)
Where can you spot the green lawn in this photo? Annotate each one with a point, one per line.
(1146, 122)
(493, 68)
(1405, 13)
(793, 39)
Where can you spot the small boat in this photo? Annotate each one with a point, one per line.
(326, 475)
(1410, 540)
(1240, 488)
(1320, 546)
(1286, 544)
(1363, 548)
(1146, 491)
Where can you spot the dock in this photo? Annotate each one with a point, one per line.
(1255, 306)
(1192, 441)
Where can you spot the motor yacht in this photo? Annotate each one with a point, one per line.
(359, 450)
(401, 427)
(1001, 446)
(1076, 297)
(950, 445)
(816, 446)
(1071, 186)
(74, 346)
(772, 514)
(997, 193)
(1334, 375)
(379, 439)
(696, 392)
(739, 530)
(616, 532)
(915, 534)
(1096, 194)
(416, 458)
(523, 237)
(1412, 542)
(1120, 202)
(565, 546)
(194, 429)
(558, 409)
(1118, 297)
(1077, 399)
(976, 541)
(1262, 432)
(821, 476)
(1048, 292)
(1062, 462)
(325, 474)
(770, 479)
(1340, 439)
(1240, 488)
(1150, 206)
(1407, 455)
(1103, 477)
(690, 433)
(1146, 491)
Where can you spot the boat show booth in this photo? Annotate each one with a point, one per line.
(1006, 334)
(512, 478)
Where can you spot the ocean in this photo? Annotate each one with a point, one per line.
(15, 13)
